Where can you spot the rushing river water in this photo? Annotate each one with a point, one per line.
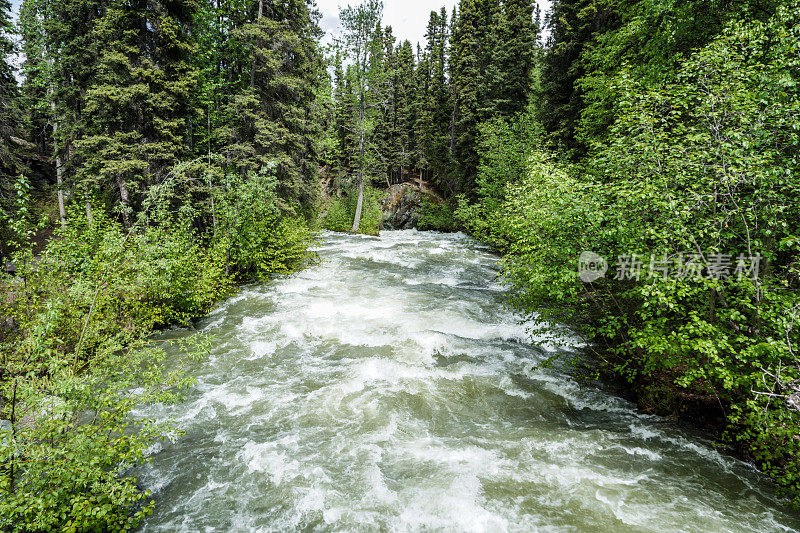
(390, 389)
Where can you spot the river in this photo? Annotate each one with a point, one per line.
(390, 389)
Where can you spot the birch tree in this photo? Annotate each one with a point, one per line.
(360, 23)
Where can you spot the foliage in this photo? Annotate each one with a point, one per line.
(592, 41)
(73, 434)
(706, 168)
(75, 365)
(120, 93)
(366, 81)
(257, 238)
(341, 211)
(183, 170)
(505, 158)
(76, 359)
(10, 118)
(438, 216)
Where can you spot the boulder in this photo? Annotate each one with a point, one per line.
(401, 207)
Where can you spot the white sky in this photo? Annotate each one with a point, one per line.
(408, 18)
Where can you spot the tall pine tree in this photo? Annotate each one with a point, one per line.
(466, 54)
(275, 117)
(9, 97)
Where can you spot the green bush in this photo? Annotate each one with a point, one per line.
(76, 364)
(505, 147)
(341, 211)
(706, 166)
(438, 216)
(77, 361)
(74, 436)
(258, 237)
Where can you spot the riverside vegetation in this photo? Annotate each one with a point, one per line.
(157, 154)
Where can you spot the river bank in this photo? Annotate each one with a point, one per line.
(78, 358)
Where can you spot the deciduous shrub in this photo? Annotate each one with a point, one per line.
(705, 167)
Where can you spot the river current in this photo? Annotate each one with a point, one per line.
(389, 388)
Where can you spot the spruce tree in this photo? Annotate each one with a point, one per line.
(9, 97)
(137, 106)
(517, 35)
(391, 124)
(404, 104)
(437, 102)
(379, 79)
(340, 121)
(275, 118)
(572, 24)
(422, 112)
(465, 57)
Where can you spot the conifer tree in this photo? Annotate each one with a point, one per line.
(466, 88)
(137, 105)
(389, 126)
(9, 97)
(276, 120)
(405, 92)
(379, 79)
(340, 117)
(572, 24)
(516, 37)
(422, 112)
(437, 102)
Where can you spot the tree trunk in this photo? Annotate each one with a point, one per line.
(89, 217)
(13, 436)
(360, 203)
(125, 197)
(255, 60)
(88, 204)
(453, 126)
(210, 185)
(62, 213)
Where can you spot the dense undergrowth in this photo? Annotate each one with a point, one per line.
(341, 211)
(76, 355)
(438, 216)
(693, 200)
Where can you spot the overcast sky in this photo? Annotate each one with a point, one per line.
(408, 18)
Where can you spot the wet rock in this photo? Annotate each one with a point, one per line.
(401, 207)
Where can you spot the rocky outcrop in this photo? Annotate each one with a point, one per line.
(401, 207)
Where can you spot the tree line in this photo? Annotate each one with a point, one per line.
(115, 94)
(396, 110)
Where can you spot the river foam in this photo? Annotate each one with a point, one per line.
(390, 388)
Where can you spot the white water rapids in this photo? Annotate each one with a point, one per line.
(390, 389)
